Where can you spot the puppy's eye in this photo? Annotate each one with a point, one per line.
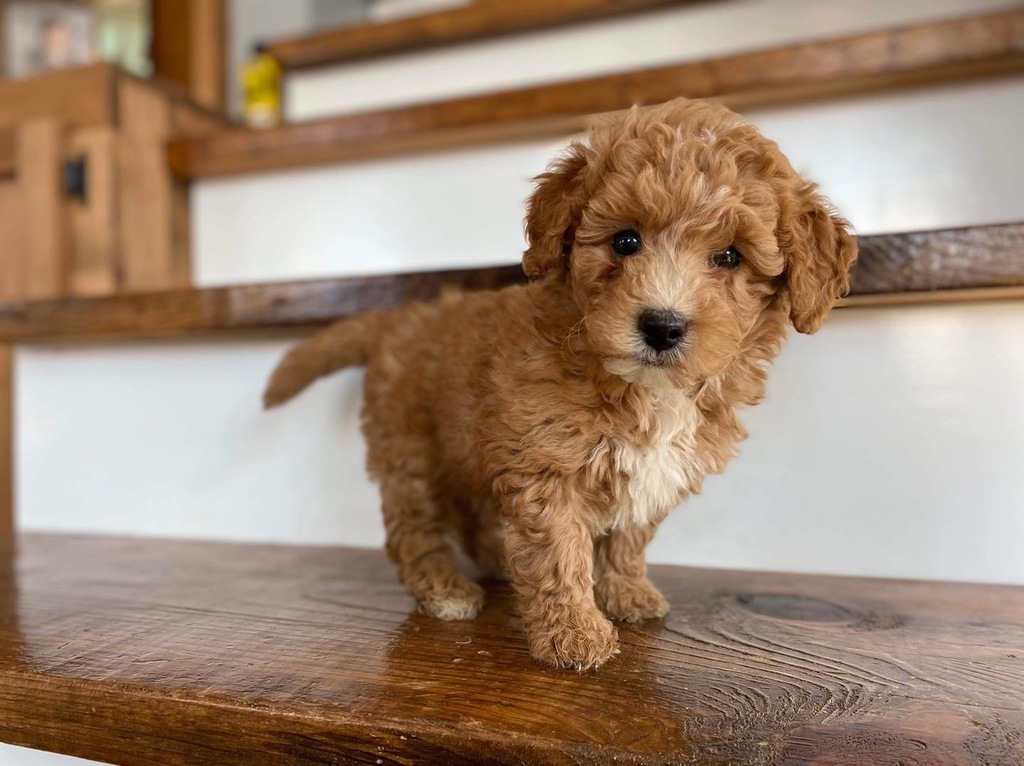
(626, 243)
(730, 258)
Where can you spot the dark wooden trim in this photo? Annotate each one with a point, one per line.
(942, 51)
(143, 652)
(967, 264)
(242, 307)
(476, 21)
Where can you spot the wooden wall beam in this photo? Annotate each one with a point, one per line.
(942, 265)
(189, 47)
(944, 51)
(475, 21)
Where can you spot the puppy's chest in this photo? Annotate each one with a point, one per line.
(651, 475)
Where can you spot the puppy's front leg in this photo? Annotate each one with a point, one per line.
(550, 558)
(622, 589)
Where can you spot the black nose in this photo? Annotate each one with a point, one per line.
(662, 330)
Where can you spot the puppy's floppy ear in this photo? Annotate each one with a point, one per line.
(819, 251)
(553, 212)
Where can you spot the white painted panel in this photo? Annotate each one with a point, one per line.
(926, 159)
(690, 31)
(460, 208)
(890, 444)
(22, 756)
(169, 439)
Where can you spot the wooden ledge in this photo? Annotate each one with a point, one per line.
(984, 262)
(478, 20)
(153, 652)
(943, 51)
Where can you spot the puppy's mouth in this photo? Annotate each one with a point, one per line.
(660, 359)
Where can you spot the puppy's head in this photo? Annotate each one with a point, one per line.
(685, 237)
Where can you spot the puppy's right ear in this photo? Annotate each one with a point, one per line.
(553, 213)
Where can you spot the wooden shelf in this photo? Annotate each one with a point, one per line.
(156, 652)
(942, 51)
(475, 21)
(984, 262)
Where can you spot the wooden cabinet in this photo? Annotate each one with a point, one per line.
(87, 204)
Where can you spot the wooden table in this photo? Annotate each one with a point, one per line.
(153, 652)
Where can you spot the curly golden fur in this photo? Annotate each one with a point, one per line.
(534, 425)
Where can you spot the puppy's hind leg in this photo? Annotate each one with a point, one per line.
(416, 542)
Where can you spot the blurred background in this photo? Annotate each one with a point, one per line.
(153, 146)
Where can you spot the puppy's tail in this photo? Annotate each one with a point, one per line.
(344, 344)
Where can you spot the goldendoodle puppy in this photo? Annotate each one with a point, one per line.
(550, 427)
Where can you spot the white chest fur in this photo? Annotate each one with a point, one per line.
(657, 470)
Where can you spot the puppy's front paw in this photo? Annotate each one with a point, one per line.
(575, 637)
(629, 598)
(459, 601)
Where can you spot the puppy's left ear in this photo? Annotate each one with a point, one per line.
(553, 213)
(819, 251)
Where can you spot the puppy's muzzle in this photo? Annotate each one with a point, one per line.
(662, 330)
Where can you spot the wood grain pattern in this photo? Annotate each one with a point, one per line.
(478, 20)
(166, 652)
(929, 260)
(985, 262)
(6, 444)
(935, 52)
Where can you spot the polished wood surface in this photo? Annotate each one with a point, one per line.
(479, 20)
(985, 262)
(157, 652)
(936, 52)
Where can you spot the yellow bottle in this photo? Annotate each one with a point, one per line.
(261, 81)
